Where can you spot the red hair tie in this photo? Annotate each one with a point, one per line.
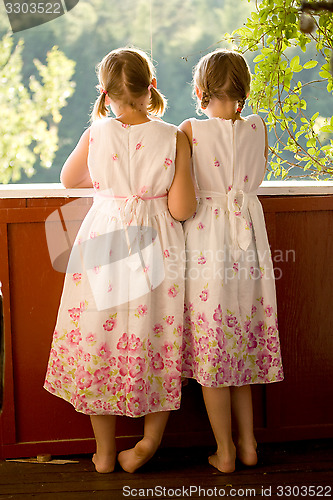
(104, 91)
(239, 109)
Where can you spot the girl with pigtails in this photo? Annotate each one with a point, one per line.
(116, 347)
(230, 334)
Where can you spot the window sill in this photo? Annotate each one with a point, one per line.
(267, 188)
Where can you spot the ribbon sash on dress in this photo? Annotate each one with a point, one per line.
(235, 203)
(142, 266)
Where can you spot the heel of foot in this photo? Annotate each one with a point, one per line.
(248, 457)
(227, 466)
(104, 465)
(134, 458)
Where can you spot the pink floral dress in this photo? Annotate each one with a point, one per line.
(231, 336)
(116, 347)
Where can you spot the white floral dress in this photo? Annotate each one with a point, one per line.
(231, 336)
(116, 347)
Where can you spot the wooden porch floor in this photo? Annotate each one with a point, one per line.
(180, 473)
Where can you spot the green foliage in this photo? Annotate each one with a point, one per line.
(280, 86)
(30, 113)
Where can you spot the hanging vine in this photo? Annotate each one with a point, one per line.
(301, 141)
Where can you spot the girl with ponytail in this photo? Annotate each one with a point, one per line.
(117, 343)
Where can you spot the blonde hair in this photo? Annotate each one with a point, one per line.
(125, 75)
(222, 74)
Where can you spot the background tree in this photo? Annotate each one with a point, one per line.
(30, 114)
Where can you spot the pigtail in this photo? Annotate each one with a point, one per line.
(206, 97)
(158, 103)
(203, 104)
(241, 104)
(99, 110)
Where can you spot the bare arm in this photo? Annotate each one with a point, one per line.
(266, 148)
(186, 127)
(181, 197)
(75, 173)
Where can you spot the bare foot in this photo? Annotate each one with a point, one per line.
(247, 454)
(223, 462)
(104, 464)
(130, 460)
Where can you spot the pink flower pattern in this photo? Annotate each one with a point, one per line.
(109, 324)
(225, 351)
(77, 277)
(173, 291)
(141, 311)
(167, 163)
(204, 295)
(158, 329)
(169, 319)
(202, 259)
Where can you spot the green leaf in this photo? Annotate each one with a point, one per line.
(310, 64)
(259, 57)
(327, 128)
(295, 65)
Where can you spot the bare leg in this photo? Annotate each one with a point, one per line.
(241, 403)
(104, 427)
(154, 426)
(218, 406)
